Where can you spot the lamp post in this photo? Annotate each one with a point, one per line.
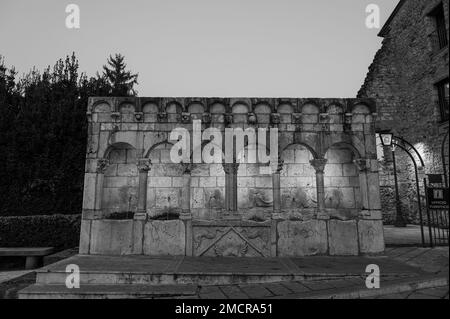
(387, 140)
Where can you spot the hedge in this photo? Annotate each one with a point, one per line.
(59, 231)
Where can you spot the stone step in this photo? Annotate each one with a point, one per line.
(38, 291)
(205, 279)
(143, 270)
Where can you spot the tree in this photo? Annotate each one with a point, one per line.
(121, 81)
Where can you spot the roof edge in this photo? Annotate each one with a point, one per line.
(385, 29)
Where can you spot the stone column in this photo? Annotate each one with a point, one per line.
(319, 166)
(102, 165)
(369, 185)
(231, 206)
(370, 224)
(144, 166)
(186, 192)
(276, 188)
(186, 215)
(361, 165)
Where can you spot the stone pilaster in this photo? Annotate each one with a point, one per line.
(186, 192)
(144, 166)
(231, 170)
(319, 166)
(102, 165)
(92, 202)
(276, 188)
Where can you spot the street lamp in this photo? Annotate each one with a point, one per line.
(387, 139)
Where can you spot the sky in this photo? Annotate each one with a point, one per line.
(223, 48)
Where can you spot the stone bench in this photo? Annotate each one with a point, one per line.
(34, 256)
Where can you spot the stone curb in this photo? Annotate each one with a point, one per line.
(394, 287)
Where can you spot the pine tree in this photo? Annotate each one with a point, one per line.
(121, 81)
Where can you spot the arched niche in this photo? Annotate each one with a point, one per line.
(217, 108)
(120, 183)
(335, 113)
(240, 112)
(196, 110)
(254, 185)
(150, 108)
(173, 108)
(207, 184)
(240, 108)
(298, 181)
(335, 109)
(165, 181)
(217, 111)
(262, 112)
(341, 177)
(310, 108)
(126, 108)
(262, 108)
(285, 109)
(102, 107)
(361, 109)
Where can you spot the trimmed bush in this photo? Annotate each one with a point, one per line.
(59, 231)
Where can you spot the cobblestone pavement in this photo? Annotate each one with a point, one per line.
(435, 262)
(432, 260)
(297, 290)
(430, 293)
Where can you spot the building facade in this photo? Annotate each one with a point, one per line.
(409, 80)
(321, 197)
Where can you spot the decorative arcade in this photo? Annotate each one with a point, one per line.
(322, 198)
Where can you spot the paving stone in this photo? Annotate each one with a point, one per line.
(394, 296)
(256, 291)
(277, 289)
(295, 287)
(436, 292)
(343, 283)
(212, 292)
(233, 292)
(317, 285)
(418, 295)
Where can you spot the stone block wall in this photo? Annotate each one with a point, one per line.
(402, 81)
(320, 198)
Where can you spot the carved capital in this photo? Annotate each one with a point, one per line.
(324, 118)
(297, 118)
(228, 118)
(231, 168)
(139, 116)
(144, 165)
(102, 165)
(185, 117)
(319, 164)
(279, 166)
(252, 118)
(206, 118)
(187, 168)
(275, 118)
(162, 117)
(115, 116)
(89, 116)
(362, 164)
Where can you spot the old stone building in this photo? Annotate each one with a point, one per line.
(409, 80)
(321, 198)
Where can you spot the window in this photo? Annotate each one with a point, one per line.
(440, 34)
(443, 92)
